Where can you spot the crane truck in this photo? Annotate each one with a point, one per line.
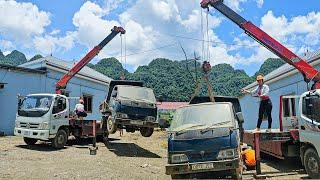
(48, 117)
(300, 132)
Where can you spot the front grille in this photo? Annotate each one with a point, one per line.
(197, 156)
(29, 125)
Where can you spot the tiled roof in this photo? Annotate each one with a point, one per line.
(171, 105)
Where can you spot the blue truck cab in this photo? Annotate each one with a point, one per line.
(129, 106)
(204, 137)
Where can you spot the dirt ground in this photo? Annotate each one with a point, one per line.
(128, 157)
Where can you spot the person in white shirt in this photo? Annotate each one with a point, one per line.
(262, 91)
(79, 109)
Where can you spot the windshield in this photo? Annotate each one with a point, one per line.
(208, 115)
(137, 93)
(35, 106)
(311, 106)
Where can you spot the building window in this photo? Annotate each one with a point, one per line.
(87, 103)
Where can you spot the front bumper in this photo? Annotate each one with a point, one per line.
(137, 123)
(32, 133)
(206, 166)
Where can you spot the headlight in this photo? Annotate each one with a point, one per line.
(150, 118)
(122, 116)
(17, 124)
(179, 158)
(227, 154)
(44, 125)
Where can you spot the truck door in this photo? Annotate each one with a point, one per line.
(60, 114)
(310, 121)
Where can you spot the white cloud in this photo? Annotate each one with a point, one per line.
(259, 3)
(21, 21)
(48, 44)
(193, 22)
(91, 27)
(298, 31)
(235, 4)
(6, 53)
(5, 45)
(55, 32)
(110, 5)
(166, 10)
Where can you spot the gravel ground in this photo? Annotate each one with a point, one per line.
(128, 157)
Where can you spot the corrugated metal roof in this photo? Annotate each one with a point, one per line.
(53, 63)
(282, 71)
(5, 66)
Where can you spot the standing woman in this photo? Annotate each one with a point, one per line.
(262, 91)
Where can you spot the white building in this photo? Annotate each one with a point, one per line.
(286, 80)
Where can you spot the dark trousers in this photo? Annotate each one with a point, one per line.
(265, 106)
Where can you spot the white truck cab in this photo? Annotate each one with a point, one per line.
(43, 117)
(309, 132)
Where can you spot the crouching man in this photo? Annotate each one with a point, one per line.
(248, 157)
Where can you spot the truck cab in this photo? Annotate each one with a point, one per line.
(130, 106)
(41, 117)
(204, 138)
(309, 132)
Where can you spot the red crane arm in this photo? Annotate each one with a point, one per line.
(62, 83)
(309, 72)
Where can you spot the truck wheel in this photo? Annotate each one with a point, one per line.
(111, 126)
(312, 163)
(237, 174)
(60, 140)
(179, 176)
(146, 131)
(29, 141)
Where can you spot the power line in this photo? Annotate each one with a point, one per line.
(210, 41)
(149, 50)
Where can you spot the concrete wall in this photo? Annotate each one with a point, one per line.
(25, 83)
(291, 85)
(18, 83)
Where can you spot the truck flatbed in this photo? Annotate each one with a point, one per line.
(280, 144)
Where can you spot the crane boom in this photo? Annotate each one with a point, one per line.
(309, 73)
(62, 83)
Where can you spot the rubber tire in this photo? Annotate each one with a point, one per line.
(60, 140)
(311, 153)
(237, 174)
(146, 131)
(111, 126)
(180, 176)
(30, 141)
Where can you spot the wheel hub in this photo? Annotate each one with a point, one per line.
(313, 165)
(60, 139)
(110, 124)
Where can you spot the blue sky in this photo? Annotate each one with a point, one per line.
(69, 29)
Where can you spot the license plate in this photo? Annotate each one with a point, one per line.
(202, 166)
(137, 122)
(26, 133)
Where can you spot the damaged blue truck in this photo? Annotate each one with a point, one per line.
(205, 137)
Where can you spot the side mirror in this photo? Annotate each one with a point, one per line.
(20, 99)
(114, 94)
(240, 117)
(19, 102)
